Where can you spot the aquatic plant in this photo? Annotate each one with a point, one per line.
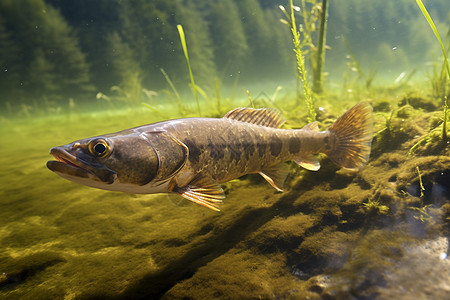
(25, 110)
(439, 80)
(130, 89)
(181, 109)
(387, 130)
(299, 53)
(423, 214)
(376, 206)
(106, 99)
(269, 101)
(149, 95)
(186, 56)
(435, 31)
(427, 138)
(250, 99)
(218, 103)
(420, 181)
(355, 66)
(444, 124)
(196, 89)
(444, 53)
(320, 59)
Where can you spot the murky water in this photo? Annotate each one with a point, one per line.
(379, 233)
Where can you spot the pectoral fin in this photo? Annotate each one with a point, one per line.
(275, 175)
(203, 191)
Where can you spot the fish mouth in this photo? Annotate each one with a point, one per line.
(67, 164)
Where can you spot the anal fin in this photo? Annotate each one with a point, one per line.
(275, 175)
(203, 191)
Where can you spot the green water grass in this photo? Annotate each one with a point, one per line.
(300, 57)
(320, 60)
(367, 78)
(301, 66)
(436, 33)
(175, 92)
(186, 56)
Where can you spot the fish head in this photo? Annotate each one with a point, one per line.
(111, 163)
(134, 162)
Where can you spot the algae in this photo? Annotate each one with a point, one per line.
(332, 233)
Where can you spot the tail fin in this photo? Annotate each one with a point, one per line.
(353, 132)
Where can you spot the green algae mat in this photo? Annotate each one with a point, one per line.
(380, 232)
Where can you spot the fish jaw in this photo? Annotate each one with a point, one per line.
(68, 166)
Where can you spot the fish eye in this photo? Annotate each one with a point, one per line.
(99, 148)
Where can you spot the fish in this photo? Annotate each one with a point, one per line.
(191, 157)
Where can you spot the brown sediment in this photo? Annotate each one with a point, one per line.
(327, 235)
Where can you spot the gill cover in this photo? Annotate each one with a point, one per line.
(172, 153)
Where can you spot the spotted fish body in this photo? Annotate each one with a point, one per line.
(227, 149)
(191, 157)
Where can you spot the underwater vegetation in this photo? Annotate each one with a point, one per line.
(191, 76)
(118, 48)
(298, 45)
(330, 232)
(444, 78)
(382, 232)
(302, 38)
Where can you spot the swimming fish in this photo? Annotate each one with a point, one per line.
(193, 156)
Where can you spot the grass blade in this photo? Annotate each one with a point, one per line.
(174, 90)
(186, 56)
(435, 31)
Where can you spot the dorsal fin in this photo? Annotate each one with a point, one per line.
(263, 116)
(314, 126)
